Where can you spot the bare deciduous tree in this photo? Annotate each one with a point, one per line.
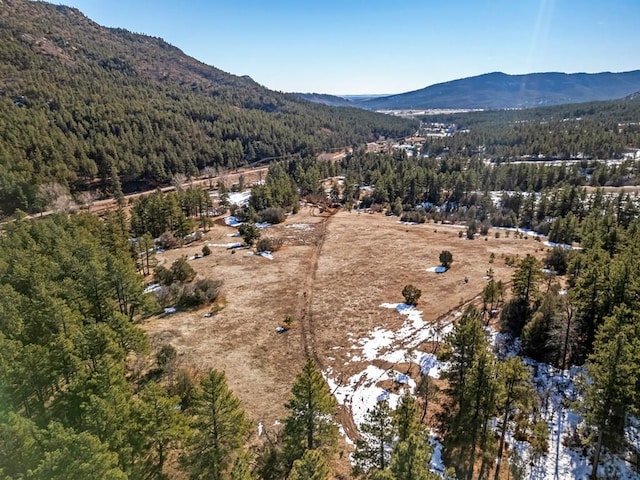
(178, 181)
(55, 196)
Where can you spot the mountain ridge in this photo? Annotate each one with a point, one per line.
(498, 90)
(81, 104)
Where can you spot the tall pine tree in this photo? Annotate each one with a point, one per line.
(310, 424)
(221, 429)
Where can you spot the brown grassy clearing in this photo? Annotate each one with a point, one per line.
(331, 276)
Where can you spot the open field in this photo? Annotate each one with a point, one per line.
(331, 276)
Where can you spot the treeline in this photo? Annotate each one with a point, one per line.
(599, 130)
(79, 101)
(458, 183)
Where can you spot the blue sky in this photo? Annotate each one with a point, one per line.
(373, 46)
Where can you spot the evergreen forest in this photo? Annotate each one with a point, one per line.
(84, 394)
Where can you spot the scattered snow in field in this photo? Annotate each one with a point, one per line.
(562, 245)
(300, 226)
(524, 231)
(438, 269)
(239, 198)
(415, 331)
(235, 222)
(378, 339)
(154, 287)
(437, 465)
(226, 245)
(430, 365)
(232, 221)
(361, 392)
(265, 254)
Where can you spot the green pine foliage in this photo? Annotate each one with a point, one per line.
(82, 102)
(312, 466)
(614, 370)
(376, 437)
(221, 429)
(310, 424)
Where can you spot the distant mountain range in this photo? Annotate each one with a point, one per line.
(500, 90)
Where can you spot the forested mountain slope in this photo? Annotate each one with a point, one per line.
(80, 101)
(498, 90)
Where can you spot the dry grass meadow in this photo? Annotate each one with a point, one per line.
(331, 276)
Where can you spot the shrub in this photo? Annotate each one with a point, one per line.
(558, 260)
(167, 240)
(206, 251)
(414, 217)
(182, 271)
(162, 275)
(249, 233)
(184, 385)
(201, 292)
(471, 230)
(269, 244)
(446, 258)
(272, 215)
(166, 356)
(411, 294)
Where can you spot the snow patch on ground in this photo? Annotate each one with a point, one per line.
(232, 221)
(240, 198)
(265, 254)
(226, 245)
(300, 226)
(438, 269)
(361, 392)
(235, 222)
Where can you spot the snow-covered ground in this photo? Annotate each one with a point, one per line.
(240, 198)
(559, 399)
(360, 392)
(232, 221)
(557, 389)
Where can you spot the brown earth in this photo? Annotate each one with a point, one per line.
(331, 276)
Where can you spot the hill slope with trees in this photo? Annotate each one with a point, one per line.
(80, 103)
(498, 90)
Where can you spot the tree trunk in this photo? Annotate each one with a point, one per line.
(566, 339)
(596, 457)
(502, 435)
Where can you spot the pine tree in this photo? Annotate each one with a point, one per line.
(66, 454)
(162, 426)
(310, 424)
(614, 370)
(312, 466)
(472, 387)
(411, 457)
(462, 345)
(515, 395)
(221, 429)
(526, 278)
(240, 469)
(376, 437)
(405, 417)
